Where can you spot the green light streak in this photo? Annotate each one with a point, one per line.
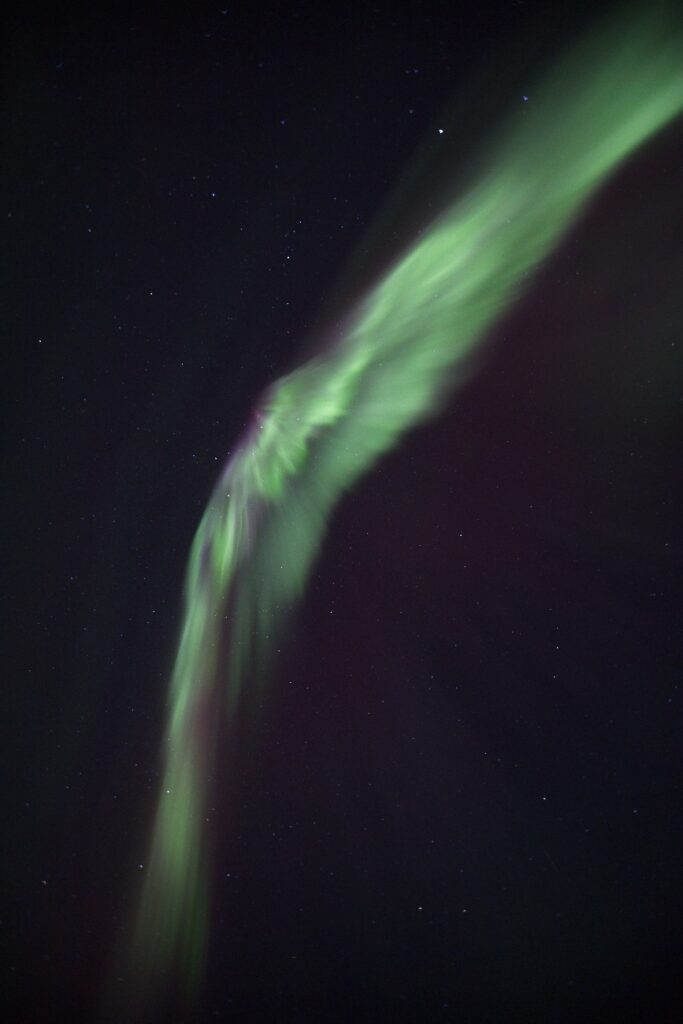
(404, 350)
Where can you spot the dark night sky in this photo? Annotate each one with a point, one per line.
(464, 800)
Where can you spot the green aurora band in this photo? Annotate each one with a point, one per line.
(401, 353)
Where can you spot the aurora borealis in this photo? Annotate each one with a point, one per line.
(323, 425)
(344, 514)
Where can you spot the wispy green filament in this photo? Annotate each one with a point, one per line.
(318, 429)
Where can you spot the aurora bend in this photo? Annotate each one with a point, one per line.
(401, 352)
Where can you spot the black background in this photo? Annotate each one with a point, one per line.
(465, 799)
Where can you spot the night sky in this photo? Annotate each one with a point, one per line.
(460, 798)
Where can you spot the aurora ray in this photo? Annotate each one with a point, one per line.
(400, 355)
